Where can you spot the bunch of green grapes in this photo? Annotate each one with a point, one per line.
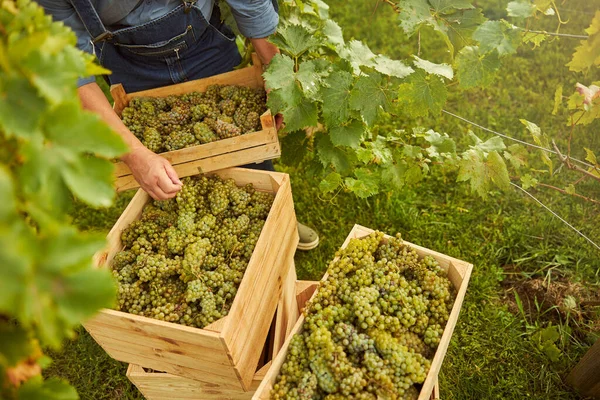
(372, 328)
(175, 122)
(185, 258)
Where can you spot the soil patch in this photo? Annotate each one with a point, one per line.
(553, 301)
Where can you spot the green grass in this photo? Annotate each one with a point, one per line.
(507, 237)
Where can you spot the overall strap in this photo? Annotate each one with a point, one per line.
(188, 4)
(91, 20)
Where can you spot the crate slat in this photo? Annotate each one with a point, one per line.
(287, 310)
(459, 273)
(208, 150)
(250, 326)
(210, 355)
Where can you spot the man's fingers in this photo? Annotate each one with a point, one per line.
(166, 186)
(159, 194)
(278, 121)
(152, 194)
(172, 174)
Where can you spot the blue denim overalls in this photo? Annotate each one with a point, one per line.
(179, 46)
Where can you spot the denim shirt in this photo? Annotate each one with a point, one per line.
(254, 18)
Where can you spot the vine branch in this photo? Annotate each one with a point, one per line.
(392, 4)
(570, 194)
(566, 35)
(567, 161)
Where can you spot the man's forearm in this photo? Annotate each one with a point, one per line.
(265, 49)
(93, 99)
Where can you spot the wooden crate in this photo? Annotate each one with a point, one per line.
(227, 351)
(244, 149)
(459, 273)
(164, 386)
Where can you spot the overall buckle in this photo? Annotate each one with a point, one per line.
(106, 35)
(187, 5)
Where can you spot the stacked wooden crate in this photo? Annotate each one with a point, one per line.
(459, 273)
(225, 153)
(226, 352)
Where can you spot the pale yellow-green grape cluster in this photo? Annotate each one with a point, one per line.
(175, 122)
(185, 258)
(372, 328)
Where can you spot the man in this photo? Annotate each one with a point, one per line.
(151, 43)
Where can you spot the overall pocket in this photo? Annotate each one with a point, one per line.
(176, 44)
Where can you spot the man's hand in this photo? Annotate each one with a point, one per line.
(266, 51)
(154, 174)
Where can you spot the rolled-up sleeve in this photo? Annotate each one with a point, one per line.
(255, 19)
(62, 10)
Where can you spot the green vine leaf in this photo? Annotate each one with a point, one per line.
(494, 143)
(21, 108)
(365, 185)
(381, 151)
(359, 55)
(293, 148)
(440, 144)
(482, 172)
(393, 174)
(72, 129)
(51, 389)
(90, 179)
(295, 40)
(331, 182)
(557, 99)
(520, 9)
(412, 14)
(310, 76)
(541, 140)
(390, 67)
(53, 73)
(53, 296)
(590, 156)
(534, 38)
(301, 115)
(422, 93)
(335, 94)
(527, 181)
(497, 35)
(369, 95)
(461, 26)
(517, 155)
(476, 68)
(277, 76)
(587, 54)
(349, 134)
(15, 345)
(444, 70)
(329, 155)
(333, 32)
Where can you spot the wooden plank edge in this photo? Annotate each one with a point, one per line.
(223, 161)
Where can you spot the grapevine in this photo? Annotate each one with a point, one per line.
(336, 94)
(176, 122)
(185, 258)
(48, 285)
(373, 326)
